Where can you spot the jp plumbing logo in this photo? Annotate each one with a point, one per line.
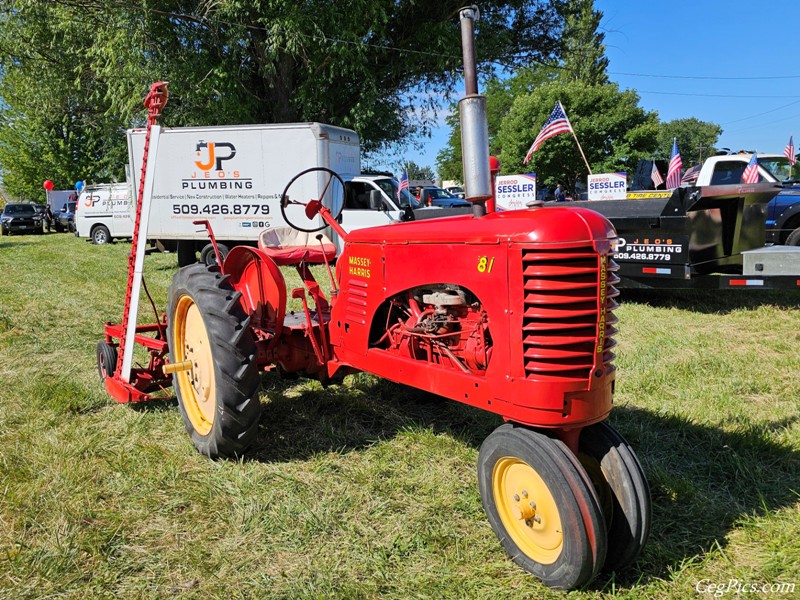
(214, 169)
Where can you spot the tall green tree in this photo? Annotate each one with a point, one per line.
(376, 66)
(500, 94)
(696, 139)
(418, 172)
(614, 131)
(584, 60)
(53, 115)
(583, 47)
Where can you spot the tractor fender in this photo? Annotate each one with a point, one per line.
(263, 289)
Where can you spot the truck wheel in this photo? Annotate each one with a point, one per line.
(218, 395)
(794, 238)
(540, 505)
(625, 495)
(106, 360)
(209, 258)
(186, 253)
(101, 235)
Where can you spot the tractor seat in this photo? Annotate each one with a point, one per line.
(287, 246)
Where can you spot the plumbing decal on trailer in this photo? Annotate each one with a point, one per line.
(216, 187)
(651, 249)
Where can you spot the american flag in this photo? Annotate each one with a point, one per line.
(403, 184)
(674, 169)
(750, 174)
(556, 123)
(789, 151)
(691, 174)
(656, 176)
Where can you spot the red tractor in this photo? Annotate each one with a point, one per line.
(511, 312)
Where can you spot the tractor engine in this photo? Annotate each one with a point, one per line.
(442, 324)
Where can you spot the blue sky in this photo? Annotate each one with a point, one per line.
(726, 45)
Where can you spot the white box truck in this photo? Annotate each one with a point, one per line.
(234, 176)
(105, 212)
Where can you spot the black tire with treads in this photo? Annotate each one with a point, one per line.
(231, 427)
(627, 490)
(567, 498)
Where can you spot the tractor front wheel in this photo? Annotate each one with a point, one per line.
(217, 389)
(541, 506)
(625, 495)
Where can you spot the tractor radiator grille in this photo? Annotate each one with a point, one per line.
(563, 322)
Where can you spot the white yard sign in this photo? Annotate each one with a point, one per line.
(513, 192)
(607, 186)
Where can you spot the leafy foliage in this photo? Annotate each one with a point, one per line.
(417, 172)
(53, 116)
(354, 64)
(583, 48)
(500, 95)
(695, 139)
(613, 131)
(584, 60)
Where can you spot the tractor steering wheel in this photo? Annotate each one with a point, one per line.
(330, 188)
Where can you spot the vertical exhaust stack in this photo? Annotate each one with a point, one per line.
(474, 124)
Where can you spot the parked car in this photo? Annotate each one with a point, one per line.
(64, 219)
(20, 218)
(434, 196)
(783, 216)
(456, 191)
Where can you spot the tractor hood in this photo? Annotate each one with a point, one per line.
(543, 225)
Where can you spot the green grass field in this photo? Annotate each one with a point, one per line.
(369, 489)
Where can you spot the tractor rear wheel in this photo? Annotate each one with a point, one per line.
(218, 393)
(623, 489)
(541, 506)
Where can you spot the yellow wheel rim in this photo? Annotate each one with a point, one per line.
(528, 510)
(197, 385)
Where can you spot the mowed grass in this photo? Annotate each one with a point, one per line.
(368, 489)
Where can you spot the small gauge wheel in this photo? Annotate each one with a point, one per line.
(329, 185)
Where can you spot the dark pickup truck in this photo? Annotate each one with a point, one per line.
(64, 219)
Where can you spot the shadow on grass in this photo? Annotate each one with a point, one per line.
(703, 478)
(4, 243)
(712, 301)
(300, 418)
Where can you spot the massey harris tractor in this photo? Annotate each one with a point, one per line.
(509, 312)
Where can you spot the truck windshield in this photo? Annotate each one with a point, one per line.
(777, 166)
(21, 210)
(389, 186)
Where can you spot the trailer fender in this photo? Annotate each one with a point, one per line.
(260, 281)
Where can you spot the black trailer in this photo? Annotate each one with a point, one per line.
(691, 237)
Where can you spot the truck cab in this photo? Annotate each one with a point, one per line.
(371, 200)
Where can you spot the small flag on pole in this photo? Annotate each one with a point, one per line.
(750, 174)
(403, 184)
(789, 152)
(674, 169)
(556, 123)
(656, 176)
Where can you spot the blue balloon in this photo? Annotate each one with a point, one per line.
(79, 185)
